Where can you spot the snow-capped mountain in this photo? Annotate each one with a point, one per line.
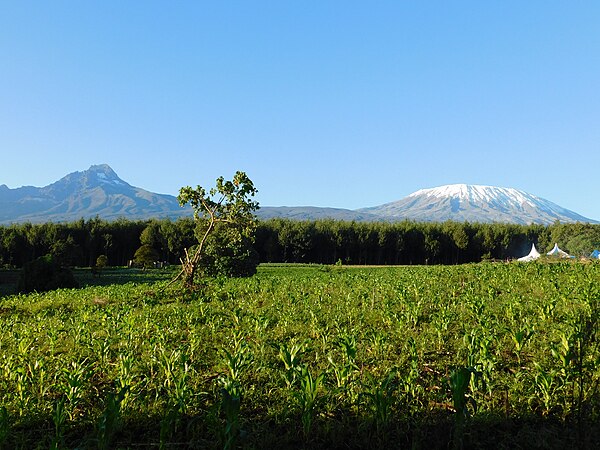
(472, 203)
(97, 191)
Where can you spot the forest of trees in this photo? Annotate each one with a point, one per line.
(278, 240)
(407, 242)
(80, 243)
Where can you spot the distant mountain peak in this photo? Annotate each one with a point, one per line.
(103, 173)
(102, 168)
(96, 176)
(95, 192)
(475, 203)
(479, 193)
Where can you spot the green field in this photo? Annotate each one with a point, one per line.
(471, 356)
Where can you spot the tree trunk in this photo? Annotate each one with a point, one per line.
(189, 271)
(189, 266)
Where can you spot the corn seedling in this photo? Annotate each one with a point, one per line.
(307, 397)
(75, 376)
(411, 386)
(180, 390)
(480, 357)
(168, 425)
(4, 427)
(125, 378)
(19, 376)
(544, 385)
(564, 353)
(105, 352)
(59, 418)
(39, 376)
(459, 383)
(586, 336)
(237, 360)
(520, 338)
(379, 343)
(442, 323)
(348, 344)
(231, 399)
(380, 398)
(291, 357)
(343, 371)
(411, 313)
(109, 421)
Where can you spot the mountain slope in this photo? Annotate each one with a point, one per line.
(97, 191)
(315, 213)
(472, 203)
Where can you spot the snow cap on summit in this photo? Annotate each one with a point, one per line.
(477, 193)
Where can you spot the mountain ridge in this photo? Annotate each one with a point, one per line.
(99, 192)
(476, 203)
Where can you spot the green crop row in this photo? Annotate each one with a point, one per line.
(499, 355)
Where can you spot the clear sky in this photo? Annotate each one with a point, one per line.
(325, 103)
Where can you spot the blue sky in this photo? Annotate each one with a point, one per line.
(325, 103)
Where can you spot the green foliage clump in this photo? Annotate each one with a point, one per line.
(229, 256)
(145, 256)
(101, 261)
(45, 274)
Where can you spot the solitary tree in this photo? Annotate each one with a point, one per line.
(226, 210)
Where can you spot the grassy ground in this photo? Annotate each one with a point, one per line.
(475, 356)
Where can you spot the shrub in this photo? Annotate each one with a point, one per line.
(146, 256)
(101, 262)
(45, 274)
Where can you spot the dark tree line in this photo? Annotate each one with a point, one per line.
(328, 242)
(80, 243)
(278, 240)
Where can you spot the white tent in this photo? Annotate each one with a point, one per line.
(558, 252)
(533, 254)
